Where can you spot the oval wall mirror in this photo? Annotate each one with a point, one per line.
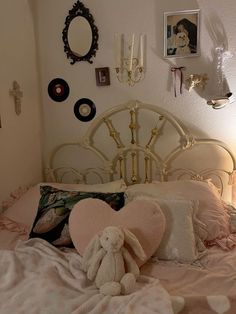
(80, 34)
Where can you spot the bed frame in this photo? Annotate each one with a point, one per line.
(157, 147)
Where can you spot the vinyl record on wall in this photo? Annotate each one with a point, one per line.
(58, 89)
(84, 109)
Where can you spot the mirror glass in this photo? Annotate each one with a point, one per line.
(80, 36)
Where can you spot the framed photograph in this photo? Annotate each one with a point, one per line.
(102, 76)
(181, 34)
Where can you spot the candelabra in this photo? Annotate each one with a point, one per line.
(129, 69)
(223, 98)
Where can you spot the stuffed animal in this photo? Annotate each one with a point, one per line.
(110, 264)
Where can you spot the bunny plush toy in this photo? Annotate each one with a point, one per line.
(108, 262)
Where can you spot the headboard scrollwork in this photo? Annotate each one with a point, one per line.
(144, 149)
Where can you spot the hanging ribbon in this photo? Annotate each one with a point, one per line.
(175, 71)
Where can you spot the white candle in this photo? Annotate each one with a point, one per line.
(141, 50)
(122, 52)
(117, 50)
(131, 53)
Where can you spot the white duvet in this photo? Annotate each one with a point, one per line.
(37, 278)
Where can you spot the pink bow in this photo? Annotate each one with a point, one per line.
(174, 70)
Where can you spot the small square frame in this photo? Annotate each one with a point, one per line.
(181, 34)
(102, 76)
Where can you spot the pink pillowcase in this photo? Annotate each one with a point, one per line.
(24, 210)
(212, 211)
(17, 220)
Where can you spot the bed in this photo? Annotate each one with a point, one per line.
(132, 152)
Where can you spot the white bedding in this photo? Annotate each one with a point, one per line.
(37, 278)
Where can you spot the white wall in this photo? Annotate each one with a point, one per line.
(20, 136)
(138, 16)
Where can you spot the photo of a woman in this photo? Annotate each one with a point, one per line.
(182, 33)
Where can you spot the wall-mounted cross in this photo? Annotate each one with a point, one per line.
(17, 94)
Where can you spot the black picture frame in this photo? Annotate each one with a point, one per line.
(80, 10)
(102, 76)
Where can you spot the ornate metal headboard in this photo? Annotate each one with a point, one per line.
(140, 143)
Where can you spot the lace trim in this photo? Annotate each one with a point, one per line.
(196, 263)
(13, 226)
(227, 243)
(14, 196)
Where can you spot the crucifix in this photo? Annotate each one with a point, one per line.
(17, 94)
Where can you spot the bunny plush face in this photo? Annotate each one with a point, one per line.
(112, 239)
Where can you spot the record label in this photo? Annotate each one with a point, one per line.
(84, 109)
(58, 89)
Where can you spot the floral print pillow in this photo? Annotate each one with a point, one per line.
(51, 222)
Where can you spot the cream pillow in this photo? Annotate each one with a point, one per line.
(179, 242)
(232, 214)
(109, 187)
(212, 213)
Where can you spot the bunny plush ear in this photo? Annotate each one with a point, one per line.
(92, 248)
(133, 242)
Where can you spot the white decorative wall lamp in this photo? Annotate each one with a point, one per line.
(224, 97)
(129, 67)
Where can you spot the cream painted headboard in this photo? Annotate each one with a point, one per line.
(140, 143)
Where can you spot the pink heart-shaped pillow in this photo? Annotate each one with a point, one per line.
(144, 218)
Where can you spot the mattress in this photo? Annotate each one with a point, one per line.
(208, 286)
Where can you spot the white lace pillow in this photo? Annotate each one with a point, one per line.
(212, 213)
(179, 242)
(232, 214)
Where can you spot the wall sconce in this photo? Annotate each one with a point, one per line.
(129, 68)
(221, 102)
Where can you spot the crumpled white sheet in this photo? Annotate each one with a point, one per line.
(37, 278)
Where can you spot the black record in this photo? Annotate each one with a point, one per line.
(58, 89)
(84, 109)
